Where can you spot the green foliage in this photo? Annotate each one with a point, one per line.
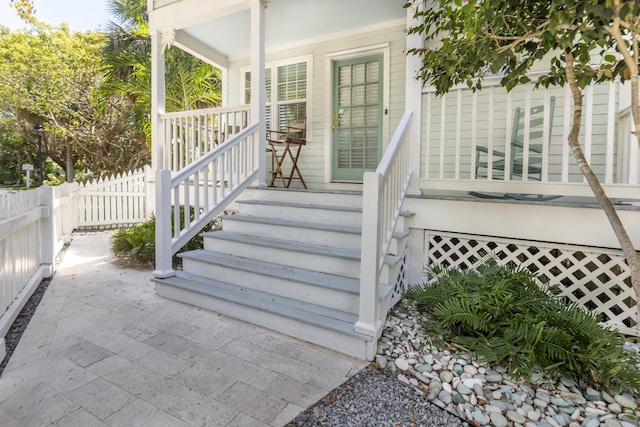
(136, 245)
(505, 316)
(470, 40)
(126, 59)
(49, 76)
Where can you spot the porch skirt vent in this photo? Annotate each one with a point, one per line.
(597, 279)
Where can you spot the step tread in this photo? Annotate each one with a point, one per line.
(284, 244)
(316, 278)
(312, 314)
(293, 223)
(294, 246)
(300, 275)
(299, 205)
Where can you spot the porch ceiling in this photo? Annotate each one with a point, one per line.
(227, 30)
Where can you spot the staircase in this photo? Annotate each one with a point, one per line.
(289, 261)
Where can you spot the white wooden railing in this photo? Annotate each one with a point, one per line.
(384, 192)
(190, 134)
(201, 190)
(457, 123)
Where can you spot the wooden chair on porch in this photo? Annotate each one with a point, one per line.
(536, 142)
(286, 145)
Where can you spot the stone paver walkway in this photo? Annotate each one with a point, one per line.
(104, 350)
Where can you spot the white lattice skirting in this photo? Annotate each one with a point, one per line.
(597, 279)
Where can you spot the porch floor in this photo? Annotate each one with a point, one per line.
(104, 349)
(567, 201)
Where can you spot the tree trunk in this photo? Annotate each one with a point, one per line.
(631, 256)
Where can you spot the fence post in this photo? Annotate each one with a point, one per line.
(164, 267)
(47, 229)
(369, 322)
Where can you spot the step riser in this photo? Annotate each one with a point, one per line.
(318, 262)
(348, 345)
(297, 234)
(289, 288)
(332, 199)
(294, 213)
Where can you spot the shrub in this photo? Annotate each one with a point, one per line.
(503, 315)
(136, 245)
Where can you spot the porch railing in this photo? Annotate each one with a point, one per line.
(188, 135)
(384, 192)
(186, 201)
(457, 124)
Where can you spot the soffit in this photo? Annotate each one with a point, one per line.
(294, 21)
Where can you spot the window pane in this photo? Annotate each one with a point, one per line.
(292, 81)
(247, 86)
(288, 113)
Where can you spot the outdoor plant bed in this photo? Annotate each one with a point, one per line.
(489, 395)
(493, 346)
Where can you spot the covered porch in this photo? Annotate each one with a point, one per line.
(451, 171)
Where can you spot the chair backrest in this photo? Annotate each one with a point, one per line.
(297, 129)
(536, 142)
(536, 123)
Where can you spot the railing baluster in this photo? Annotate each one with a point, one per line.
(611, 123)
(588, 126)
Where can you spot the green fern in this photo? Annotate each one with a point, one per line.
(505, 315)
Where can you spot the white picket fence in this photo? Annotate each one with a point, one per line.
(36, 224)
(114, 202)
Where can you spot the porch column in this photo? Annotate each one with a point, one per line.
(159, 189)
(258, 93)
(157, 108)
(157, 101)
(413, 102)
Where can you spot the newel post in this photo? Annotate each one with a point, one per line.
(164, 266)
(369, 322)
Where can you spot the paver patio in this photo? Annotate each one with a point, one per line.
(103, 349)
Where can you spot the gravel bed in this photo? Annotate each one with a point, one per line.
(375, 397)
(412, 385)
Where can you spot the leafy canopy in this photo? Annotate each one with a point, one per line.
(469, 40)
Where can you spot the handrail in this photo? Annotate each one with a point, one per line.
(384, 192)
(202, 189)
(204, 111)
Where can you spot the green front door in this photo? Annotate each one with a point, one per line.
(357, 117)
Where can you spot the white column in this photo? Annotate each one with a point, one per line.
(258, 83)
(164, 253)
(413, 102)
(157, 101)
